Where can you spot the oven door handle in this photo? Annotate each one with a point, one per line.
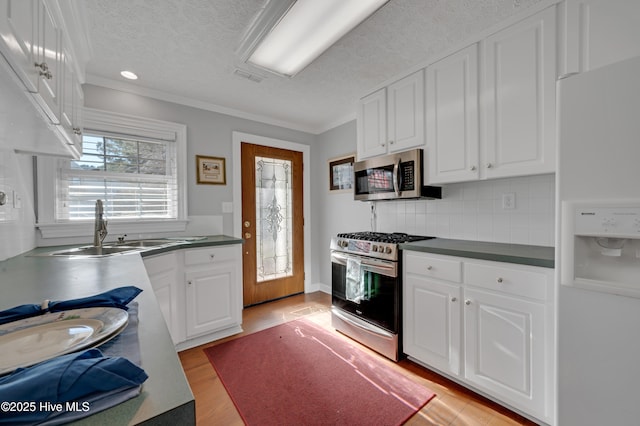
(361, 324)
(378, 267)
(396, 178)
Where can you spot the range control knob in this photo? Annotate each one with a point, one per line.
(374, 248)
(388, 250)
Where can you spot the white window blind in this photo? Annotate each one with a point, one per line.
(135, 177)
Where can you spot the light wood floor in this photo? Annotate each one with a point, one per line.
(453, 405)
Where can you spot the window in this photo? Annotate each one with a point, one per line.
(136, 166)
(135, 179)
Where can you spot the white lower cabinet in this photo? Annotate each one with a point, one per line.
(213, 290)
(487, 325)
(163, 274)
(199, 292)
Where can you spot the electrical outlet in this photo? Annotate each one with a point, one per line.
(509, 201)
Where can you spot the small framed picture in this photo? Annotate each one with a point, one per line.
(341, 173)
(211, 170)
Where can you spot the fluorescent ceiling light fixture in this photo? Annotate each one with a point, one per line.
(287, 36)
(128, 74)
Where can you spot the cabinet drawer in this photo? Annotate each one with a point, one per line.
(520, 282)
(209, 255)
(433, 267)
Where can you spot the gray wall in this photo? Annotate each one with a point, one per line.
(208, 133)
(333, 212)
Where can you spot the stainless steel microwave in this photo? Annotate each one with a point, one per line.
(393, 176)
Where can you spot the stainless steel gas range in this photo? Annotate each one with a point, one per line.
(366, 286)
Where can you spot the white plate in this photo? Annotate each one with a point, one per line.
(32, 340)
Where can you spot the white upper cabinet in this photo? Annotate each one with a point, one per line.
(392, 119)
(18, 21)
(452, 118)
(35, 44)
(372, 124)
(601, 32)
(48, 53)
(519, 87)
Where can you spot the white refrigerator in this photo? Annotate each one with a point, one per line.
(598, 247)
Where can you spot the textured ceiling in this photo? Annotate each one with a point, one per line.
(184, 49)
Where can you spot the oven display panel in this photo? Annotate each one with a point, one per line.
(359, 246)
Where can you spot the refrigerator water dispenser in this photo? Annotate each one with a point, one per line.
(601, 246)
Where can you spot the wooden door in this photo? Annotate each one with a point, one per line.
(272, 223)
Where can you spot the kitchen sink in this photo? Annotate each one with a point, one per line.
(112, 249)
(143, 243)
(92, 251)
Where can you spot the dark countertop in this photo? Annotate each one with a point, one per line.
(166, 396)
(498, 252)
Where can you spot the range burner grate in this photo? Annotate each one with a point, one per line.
(381, 237)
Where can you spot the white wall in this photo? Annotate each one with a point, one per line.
(17, 232)
(473, 211)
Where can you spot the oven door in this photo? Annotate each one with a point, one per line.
(379, 303)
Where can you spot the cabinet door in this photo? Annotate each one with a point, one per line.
(601, 32)
(432, 322)
(211, 299)
(72, 103)
(520, 79)
(505, 349)
(405, 100)
(163, 275)
(372, 124)
(18, 32)
(48, 55)
(452, 118)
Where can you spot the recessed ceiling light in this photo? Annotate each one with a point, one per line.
(128, 74)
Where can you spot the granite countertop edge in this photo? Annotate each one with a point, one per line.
(498, 252)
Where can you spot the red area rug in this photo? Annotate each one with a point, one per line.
(298, 373)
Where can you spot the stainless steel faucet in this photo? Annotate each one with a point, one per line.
(100, 228)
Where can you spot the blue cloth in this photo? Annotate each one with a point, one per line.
(116, 298)
(90, 380)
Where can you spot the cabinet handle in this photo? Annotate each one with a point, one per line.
(467, 302)
(429, 268)
(77, 131)
(43, 66)
(454, 299)
(473, 168)
(499, 280)
(211, 256)
(489, 165)
(382, 144)
(46, 74)
(391, 142)
(189, 282)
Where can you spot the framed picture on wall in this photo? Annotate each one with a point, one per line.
(341, 173)
(211, 170)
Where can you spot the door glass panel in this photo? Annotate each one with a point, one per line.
(274, 219)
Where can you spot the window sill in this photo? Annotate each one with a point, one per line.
(83, 229)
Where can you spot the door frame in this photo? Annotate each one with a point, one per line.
(237, 139)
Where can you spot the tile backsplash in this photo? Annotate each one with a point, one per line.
(476, 211)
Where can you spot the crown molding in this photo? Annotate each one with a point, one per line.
(195, 103)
